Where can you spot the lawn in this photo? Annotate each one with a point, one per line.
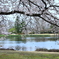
(2, 35)
(34, 35)
(31, 35)
(26, 55)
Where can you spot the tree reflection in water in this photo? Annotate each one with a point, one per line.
(18, 47)
(29, 43)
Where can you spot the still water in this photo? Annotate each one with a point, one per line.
(29, 43)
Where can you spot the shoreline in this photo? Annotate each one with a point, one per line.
(33, 34)
(32, 52)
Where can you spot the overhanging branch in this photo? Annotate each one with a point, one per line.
(11, 12)
(49, 21)
(22, 12)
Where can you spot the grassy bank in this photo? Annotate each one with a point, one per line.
(30, 35)
(2, 35)
(38, 35)
(26, 55)
(35, 35)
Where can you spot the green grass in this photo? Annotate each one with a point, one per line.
(2, 35)
(38, 35)
(14, 35)
(35, 35)
(31, 35)
(26, 55)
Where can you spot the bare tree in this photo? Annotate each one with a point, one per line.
(3, 25)
(37, 8)
(47, 10)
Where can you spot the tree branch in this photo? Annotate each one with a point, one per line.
(12, 12)
(34, 4)
(49, 21)
(44, 4)
(22, 12)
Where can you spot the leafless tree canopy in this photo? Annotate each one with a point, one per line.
(48, 10)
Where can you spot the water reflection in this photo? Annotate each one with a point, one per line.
(18, 47)
(2, 38)
(17, 39)
(29, 43)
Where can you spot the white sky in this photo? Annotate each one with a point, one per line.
(57, 2)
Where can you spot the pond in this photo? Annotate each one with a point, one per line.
(29, 43)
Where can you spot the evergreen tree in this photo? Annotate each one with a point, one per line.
(19, 25)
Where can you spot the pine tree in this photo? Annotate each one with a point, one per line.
(19, 25)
